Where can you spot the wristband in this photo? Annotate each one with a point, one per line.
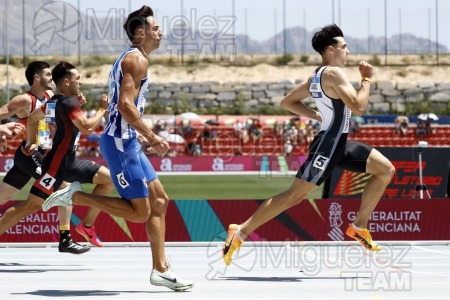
(101, 109)
(366, 79)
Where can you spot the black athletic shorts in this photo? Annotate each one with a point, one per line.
(25, 168)
(73, 169)
(325, 153)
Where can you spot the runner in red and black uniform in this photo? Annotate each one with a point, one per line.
(39, 78)
(60, 165)
(25, 167)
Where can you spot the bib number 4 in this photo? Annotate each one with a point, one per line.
(47, 181)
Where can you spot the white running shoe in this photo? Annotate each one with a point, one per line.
(62, 197)
(170, 280)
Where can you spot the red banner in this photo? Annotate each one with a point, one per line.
(207, 220)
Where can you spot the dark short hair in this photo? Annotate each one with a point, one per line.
(136, 19)
(34, 68)
(61, 71)
(326, 37)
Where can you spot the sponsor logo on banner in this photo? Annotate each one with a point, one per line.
(392, 221)
(219, 165)
(335, 218)
(168, 166)
(36, 224)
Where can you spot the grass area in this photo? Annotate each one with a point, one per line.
(216, 186)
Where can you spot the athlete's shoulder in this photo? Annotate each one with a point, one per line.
(333, 74)
(134, 63)
(20, 102)
(24, 98)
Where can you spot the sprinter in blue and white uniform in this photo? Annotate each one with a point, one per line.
(336, 99)
(125, 139)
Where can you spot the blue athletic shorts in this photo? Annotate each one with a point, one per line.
(130, 168)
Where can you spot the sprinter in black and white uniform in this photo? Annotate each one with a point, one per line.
(336, 99)
(330, 146)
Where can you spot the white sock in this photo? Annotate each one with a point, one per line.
(356, 227)
(238, 233)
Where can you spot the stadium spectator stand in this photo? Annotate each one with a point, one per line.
(229, 143)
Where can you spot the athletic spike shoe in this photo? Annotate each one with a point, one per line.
(73, 247)
(232, 243)
(363, 236)
(62, 197)
(89, 234)
(170, 280)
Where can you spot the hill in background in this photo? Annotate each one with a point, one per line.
(54, 28)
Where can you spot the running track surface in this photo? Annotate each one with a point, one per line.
(261, 271)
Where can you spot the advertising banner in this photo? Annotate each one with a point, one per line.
(207, 163)
(435, 170)
(208, 220)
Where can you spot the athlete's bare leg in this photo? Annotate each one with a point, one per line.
(24, 208)
(20, 210)
(7, 192)
(276, 205)
(382, 171)
(156, 224)
(103, 186)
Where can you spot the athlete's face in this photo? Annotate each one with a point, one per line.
(340, 52)
(153, 33)
(73, 84)
(45, 78)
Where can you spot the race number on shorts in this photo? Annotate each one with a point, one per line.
(121, 179)
(47, 181)
(321, 162)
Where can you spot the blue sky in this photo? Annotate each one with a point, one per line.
(264, 17)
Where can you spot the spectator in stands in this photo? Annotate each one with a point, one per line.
(310, 131)
(428, 129)
(302, 132)
(197, 150)
(401, 125)
(194, 148)
(186, 128)
(209, 133)
(288, 147)
(255, 131)
(238, 126)
(421, 130)
(159, 126)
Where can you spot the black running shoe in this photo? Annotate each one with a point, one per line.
(73, 247)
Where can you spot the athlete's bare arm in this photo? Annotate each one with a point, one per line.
(88, 125)
(19, 105)
(293, 101)
(336, 85)
(134, 68)
(32, 128)
(12, 129)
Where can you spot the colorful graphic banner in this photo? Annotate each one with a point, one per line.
(207, 220)
(435, 170)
